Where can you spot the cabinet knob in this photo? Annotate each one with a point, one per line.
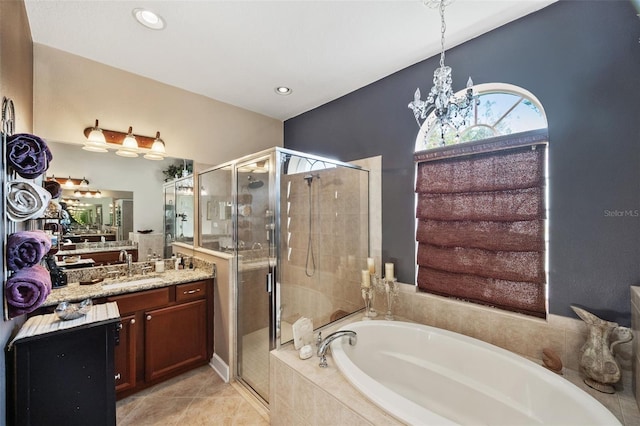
(148, 317)
(133, 321)
(117, 377)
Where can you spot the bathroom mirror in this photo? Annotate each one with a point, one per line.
(115, 177)
(94, 215)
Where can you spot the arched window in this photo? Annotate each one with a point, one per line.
(481, 203)
(503, 109)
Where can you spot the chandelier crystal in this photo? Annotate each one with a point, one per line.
(450, 111)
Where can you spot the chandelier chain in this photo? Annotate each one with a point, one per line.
(443, 28)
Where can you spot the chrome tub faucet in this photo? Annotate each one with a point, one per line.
(324, 345)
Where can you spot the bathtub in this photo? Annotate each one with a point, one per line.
(427, 376)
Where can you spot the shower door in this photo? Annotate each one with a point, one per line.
(254, 239)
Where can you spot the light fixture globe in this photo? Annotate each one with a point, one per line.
(130, 141)
(88, 146)
(158, 146)
(96, 142)
(129, 145)
(157, 151)
(126, 153)
(154, 157)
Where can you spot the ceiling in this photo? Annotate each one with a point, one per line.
(238, 51)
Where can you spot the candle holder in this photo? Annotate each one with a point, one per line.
(375, 287)
(367, 296)
(391, 290)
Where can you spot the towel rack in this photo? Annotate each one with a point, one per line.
(8, 227)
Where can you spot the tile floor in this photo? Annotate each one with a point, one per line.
(197, 398)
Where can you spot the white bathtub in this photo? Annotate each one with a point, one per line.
(427, 376)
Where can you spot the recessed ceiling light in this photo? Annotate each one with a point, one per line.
(282, 90)
(148, 18)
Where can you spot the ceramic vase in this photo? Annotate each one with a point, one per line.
(597, 362)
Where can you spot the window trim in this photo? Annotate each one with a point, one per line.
(498, 143)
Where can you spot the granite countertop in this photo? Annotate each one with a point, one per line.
(74, 292)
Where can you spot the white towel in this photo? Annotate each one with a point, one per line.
(26, 200)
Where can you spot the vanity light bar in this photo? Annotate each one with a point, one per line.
(75, 182)
(153, 147)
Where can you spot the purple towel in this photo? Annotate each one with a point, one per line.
(53, 187)
(27, 289)
(28, 154)
(26, 248)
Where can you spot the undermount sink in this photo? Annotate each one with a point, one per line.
(132, 283)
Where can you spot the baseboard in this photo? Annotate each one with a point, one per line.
(220, 367)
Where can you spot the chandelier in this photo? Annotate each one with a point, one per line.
(450, 111)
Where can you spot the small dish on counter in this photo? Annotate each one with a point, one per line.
(70, 311)
(92, 282)
(71, 259)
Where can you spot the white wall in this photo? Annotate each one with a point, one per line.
(70, 92)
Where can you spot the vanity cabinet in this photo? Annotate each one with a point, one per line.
(164, 332)
(175, 337)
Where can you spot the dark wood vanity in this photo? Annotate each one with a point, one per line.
(164, 332)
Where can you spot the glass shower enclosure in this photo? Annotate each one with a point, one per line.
(298, 227)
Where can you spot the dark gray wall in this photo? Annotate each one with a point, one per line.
(582, 60)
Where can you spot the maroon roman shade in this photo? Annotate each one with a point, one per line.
(481, 224)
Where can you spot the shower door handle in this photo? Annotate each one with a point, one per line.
(269, 282)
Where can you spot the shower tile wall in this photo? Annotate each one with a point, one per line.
(339, 235)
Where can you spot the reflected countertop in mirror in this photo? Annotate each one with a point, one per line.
(84, 248)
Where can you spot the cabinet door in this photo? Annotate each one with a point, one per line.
(175, 338)
(64, 378)
(125, 355)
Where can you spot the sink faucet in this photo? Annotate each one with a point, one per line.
(129, 258)
(322, 349)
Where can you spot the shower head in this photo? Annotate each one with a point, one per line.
(253, 183)
(309, 178)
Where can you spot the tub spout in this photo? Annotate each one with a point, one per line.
(324, 345)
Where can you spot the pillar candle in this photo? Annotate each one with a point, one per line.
(371, 266)
(388, 271)
(366, 278)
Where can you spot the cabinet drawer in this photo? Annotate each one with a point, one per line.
(129, 303)
(191, 291)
